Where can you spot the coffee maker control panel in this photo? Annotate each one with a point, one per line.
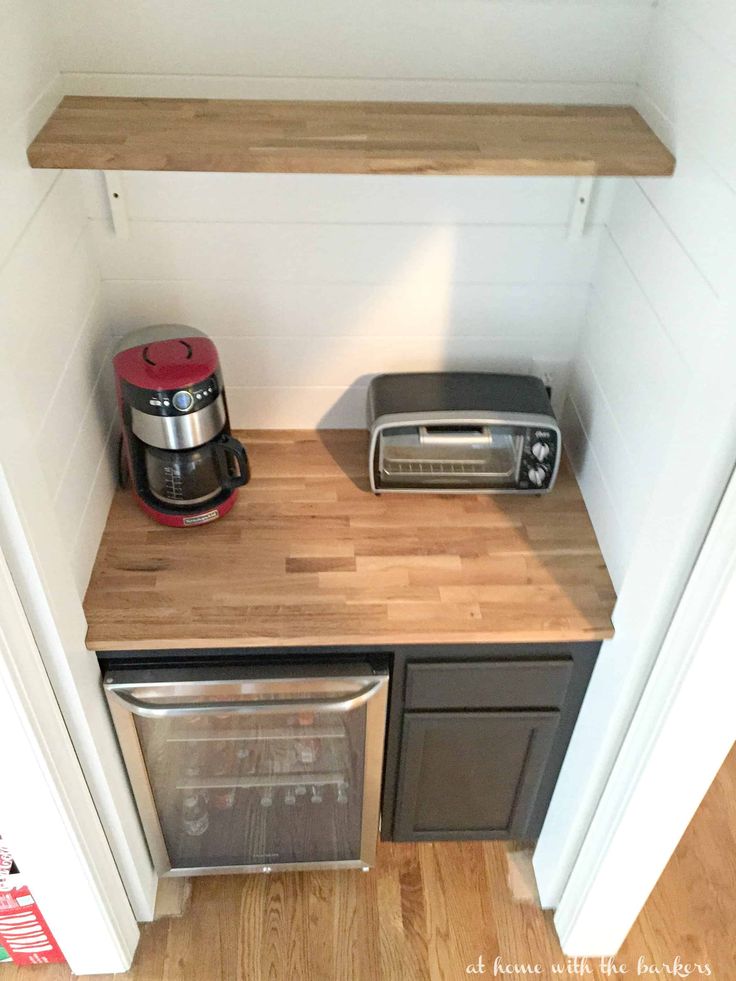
(173, 402)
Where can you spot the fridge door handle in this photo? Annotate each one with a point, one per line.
(162, 709)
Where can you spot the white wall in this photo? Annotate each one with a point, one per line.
(52, 334)
(55, 414)
(476, 50)
(55, 834)
(651, 418)
(309, 284)
(57, 344)
(682, 731)
(664, 284)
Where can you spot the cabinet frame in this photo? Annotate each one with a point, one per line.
(583, 656)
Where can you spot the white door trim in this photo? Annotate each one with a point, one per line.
(40, 568)
(683, 728)
(47, 813)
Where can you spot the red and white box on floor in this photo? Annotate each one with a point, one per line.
(23, 931)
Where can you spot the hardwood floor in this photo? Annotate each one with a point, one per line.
(428, 912)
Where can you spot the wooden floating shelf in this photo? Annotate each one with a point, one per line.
(95, 133)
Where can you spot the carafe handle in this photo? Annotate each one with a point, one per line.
(227, 448)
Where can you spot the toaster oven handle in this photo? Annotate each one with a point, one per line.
(454, 435)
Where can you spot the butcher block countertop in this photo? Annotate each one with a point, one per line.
(309, 556)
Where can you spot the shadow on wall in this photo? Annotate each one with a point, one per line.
(350, 454)
(428, 316)
(348, 449)
(351, 404)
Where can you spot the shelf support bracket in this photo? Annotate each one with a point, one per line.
(580, 207)
(116, 202)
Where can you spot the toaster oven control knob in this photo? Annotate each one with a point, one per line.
(536, 476)
(540, 451)
(183, 401)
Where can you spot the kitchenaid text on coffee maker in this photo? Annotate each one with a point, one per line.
(183, 464)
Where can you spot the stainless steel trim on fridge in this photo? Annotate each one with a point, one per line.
(254, 768)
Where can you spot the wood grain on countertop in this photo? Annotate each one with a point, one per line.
(309, 556)
(105, 133)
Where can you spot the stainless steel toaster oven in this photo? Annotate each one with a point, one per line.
(462, 432)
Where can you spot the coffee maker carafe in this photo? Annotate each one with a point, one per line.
(183, 463)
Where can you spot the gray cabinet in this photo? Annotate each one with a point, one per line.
(471, 774)
(477, 735)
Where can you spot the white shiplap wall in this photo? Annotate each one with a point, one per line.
(309, 284)
(53, 335)
(651, 417)
(663, 288)
(56, 478)
(461, 50)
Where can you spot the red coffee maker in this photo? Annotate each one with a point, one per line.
(182, 463)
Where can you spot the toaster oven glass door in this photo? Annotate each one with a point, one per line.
(451, 456)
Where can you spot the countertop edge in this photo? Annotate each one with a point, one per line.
(357, 640)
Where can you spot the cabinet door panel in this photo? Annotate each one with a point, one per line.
(470, 774)
(527, 684)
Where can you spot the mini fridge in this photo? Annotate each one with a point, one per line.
(255, 767)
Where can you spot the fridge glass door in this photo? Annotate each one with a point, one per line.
(263, 773)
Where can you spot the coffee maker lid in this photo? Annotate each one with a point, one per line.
(156, 332)
(165, 357)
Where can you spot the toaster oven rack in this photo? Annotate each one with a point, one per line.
(447, 451)
(429, 467)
